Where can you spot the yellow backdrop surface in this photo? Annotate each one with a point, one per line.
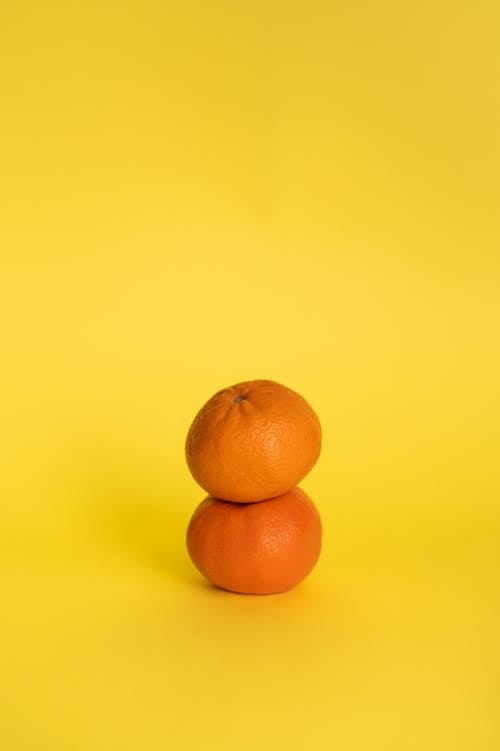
(197, 193)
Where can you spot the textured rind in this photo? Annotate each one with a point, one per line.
(253, 441)
(261, 548)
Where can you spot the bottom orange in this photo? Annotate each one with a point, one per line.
(256, 548)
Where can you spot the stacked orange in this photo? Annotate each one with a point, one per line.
(248, 447)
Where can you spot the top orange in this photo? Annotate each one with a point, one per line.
(253, 441)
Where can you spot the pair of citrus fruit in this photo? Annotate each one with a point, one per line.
(248, 447)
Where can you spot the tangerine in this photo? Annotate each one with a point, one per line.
(252, 441)
(256, 548)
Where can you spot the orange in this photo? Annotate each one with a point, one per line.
(253, 441)
(256, 548)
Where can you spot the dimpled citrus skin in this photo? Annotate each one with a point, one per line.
(256, 548)
(252, 441)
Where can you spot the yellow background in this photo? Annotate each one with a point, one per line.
(197, 193)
